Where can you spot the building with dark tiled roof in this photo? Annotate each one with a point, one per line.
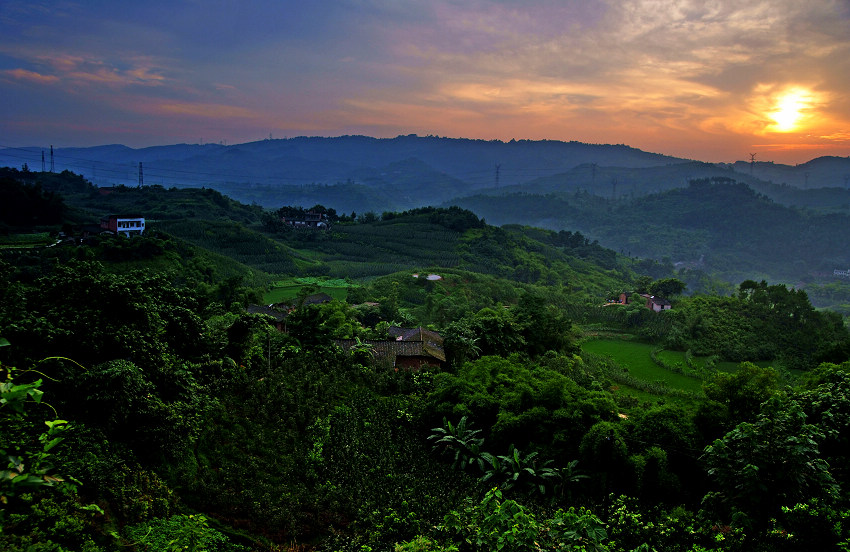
(411, 348)
(269, 310)
(655, 303)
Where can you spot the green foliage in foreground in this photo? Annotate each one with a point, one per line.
(180, 532)
(285, 438)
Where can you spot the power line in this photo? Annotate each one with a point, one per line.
(482, 173)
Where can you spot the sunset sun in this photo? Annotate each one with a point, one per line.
(788, 110)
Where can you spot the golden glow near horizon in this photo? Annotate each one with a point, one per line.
(701, 80)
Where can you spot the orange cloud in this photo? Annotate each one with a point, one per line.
(211, 111)
(783, 147)
(31, 76)
(837, 137)
(92, 70)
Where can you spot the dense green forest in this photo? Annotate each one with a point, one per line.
(143, 407)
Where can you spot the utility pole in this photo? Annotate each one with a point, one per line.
(141, 175)
(42, 160)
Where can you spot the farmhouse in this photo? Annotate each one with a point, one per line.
(126, 225)
(411, 348)
(655, 303)
(270, 310)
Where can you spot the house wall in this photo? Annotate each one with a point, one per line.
(414, 363)
(129, 226)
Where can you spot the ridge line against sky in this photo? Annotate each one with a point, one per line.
(707, 80)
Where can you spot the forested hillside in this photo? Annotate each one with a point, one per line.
(717, 225)
(145, 407)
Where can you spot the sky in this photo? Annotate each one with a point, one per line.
(712, 80)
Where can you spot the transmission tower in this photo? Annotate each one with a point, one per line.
(51, 158)
(141, 175)
(42, 160)
(498, 167)
(752, 162)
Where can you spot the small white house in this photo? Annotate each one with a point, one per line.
(128, 226)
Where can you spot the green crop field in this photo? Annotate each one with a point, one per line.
(636, 358)
(26, 240)
(286, 290)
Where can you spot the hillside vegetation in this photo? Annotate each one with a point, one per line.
(145, 408)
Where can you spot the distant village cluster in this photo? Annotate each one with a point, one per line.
(310, 220)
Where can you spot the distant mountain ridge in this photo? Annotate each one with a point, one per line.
(363, 173)
(327, 160)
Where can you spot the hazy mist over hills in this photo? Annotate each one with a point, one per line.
(412, 169)
(330, 160)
